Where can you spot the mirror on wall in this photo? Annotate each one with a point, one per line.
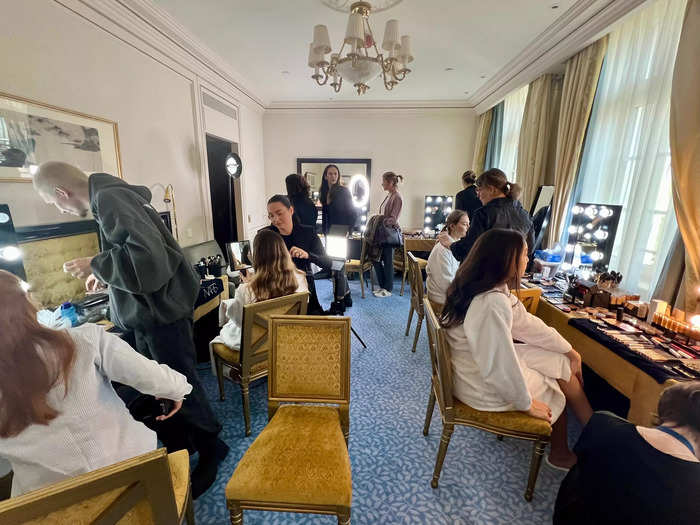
(437, 208)
(355, 174)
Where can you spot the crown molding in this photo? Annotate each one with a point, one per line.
(577, 27)
(368, 104)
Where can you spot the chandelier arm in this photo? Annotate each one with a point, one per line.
(317, 77)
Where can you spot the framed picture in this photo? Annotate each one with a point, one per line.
(33, 132)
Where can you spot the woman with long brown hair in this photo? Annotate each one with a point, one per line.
(59, 415)
(275, 276)
(482, 319)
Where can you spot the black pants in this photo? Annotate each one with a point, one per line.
(340, 290)
(173, 345)
(384, 268)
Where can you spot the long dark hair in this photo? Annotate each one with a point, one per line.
(492, 261)
(296, 186)
(325, 187)
(496, 178)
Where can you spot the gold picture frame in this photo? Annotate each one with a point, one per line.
(33, 132)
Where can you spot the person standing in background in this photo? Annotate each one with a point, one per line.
(152, 287)
(298, 193)
(390, 209)
(331, 174)
(467, 200)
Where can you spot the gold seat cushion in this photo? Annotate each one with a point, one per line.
(233, 356)
(354, 265)
(422, 263)
(300, 457)
(512, 420)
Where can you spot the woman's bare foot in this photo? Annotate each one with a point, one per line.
(562, 460)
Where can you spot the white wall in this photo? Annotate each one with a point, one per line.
(431, 148)
(52, 55)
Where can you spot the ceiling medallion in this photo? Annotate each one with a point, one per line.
(344, 6)
(358, 66)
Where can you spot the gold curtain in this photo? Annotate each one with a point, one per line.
(580, 82)
(482, 140)
(685, 148)
(538, 132)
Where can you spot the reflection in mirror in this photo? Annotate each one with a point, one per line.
(542, 199)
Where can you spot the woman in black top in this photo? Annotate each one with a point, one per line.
(336, 201)
(323, 193)
(637, 475)
(298, 193)
(467, 200)
(305, 247)
(501, 209)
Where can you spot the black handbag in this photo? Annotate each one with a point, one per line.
(390, 235)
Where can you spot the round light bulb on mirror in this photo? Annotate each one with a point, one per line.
(587, 236)
(448, 210)
(573, 229)
(589, 226)
(570, 248)
(580, 229)
(428, 209)
(605, 212)
(4, 217)
(566, 266)
(449, 200)
(591, 211)
(577, 210)
(428, 199)
(427, 230)
(600, 234)
(428, 220)
(438, 199)
(364, 218)
(10, 253)
(363, 227)
(596, 256)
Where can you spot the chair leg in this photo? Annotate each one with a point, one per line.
(429, 411)
(219, 365)
(371, 280)
(246, 406)
(403, 280)
(499, 437)
(442, 451)
(362, 283)
(419, 324)
(189, 510)
(410, 318)
(236, 514)
(344, 517)
(535, 463)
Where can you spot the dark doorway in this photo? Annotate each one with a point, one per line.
(222, 191)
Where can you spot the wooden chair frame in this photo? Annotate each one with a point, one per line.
(530, 297)
(415, 280)
(401, 263)
(276, 397)
(254, 350)
(143, 477)
(441, 390)
(360, 269)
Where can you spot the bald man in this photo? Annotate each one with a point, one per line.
(152, 288)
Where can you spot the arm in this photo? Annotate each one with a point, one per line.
(533, 331)
(140, 262)
(117, 361)
(317, 253)
(441, 268)
(477, 226)
(487, 327)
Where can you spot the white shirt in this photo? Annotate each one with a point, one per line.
(441, 269)
(94, 428)
(487, 370)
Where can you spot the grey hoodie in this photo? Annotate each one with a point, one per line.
(150, 281)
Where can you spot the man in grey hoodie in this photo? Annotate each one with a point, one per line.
(152, 288)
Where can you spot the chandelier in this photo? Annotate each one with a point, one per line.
(362, 62)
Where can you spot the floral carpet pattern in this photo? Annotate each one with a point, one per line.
(482, 480)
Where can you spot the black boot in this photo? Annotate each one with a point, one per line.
(348, 300)
(337, 308)
(212, 451)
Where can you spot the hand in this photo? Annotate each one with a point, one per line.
(245, 277)
(78, 268)
(177, 405)
(575, 359)
(93, 284)
(540, 410)
(444, 239)
(298, 253)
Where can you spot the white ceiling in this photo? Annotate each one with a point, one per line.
(262, 38)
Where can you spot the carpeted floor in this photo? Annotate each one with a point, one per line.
(482, 481)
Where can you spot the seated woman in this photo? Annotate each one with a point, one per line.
(538, 376)
(275, 276)
(59, 415)
(442, 265)
(633, 474)
(305, 247)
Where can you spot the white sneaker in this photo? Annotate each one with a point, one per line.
(385, 293)
(379, 293)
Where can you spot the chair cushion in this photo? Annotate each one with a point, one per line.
(179, 463)
(227, 354)
(422, 263)
(300, 457)
(512, 420)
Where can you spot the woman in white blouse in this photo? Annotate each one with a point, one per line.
(540, 374)
(59, 415)
(275, 276)
(442, 265)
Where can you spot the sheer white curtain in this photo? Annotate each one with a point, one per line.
(513, 107)
(627, 159)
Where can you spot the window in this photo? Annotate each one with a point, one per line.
(514, 106)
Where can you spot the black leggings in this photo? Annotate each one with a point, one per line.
(384, 268)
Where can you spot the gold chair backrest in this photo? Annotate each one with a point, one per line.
(440, 360)
(136, 491)
(530, 297)
(415, 278)
(433, 325)
(255, 340)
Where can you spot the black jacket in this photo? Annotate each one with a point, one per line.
(498, 213)
(466, 200)
(341, 210)
(305, 238)
(305, 210)
(150, 281)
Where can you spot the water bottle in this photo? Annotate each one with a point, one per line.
(68, 312)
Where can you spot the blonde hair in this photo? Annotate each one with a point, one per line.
(275, 273)
(55, 173)
(392, 177)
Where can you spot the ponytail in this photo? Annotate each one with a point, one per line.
(514, 191)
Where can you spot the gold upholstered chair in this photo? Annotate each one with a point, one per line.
(300, 461)
(453, 412)
(250, 362)
(360, 266)
(415, 279)
(151, 489)
(530, 297)
(401, 261)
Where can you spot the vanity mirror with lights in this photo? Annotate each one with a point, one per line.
(356, 175)
(437, 208)
(592, 234)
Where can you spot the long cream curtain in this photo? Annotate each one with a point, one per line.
(685, 148)
(481, 141)
(580, 81)
(538, 132)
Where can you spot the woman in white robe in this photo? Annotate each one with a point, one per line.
(539, 374)
(442, 265)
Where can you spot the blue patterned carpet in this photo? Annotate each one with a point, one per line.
(482, 481)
